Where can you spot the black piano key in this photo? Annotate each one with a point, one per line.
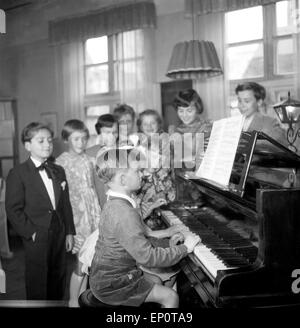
(227, 245)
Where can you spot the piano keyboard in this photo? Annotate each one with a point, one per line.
(215, 252)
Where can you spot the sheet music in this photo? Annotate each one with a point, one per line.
(219, 156)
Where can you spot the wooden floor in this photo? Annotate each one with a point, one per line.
(14, 269)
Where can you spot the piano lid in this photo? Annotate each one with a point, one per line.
(260, 162)
(268, 152)
(259, 156)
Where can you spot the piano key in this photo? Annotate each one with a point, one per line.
(221, 248)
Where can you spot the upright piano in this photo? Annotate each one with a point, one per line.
(250, 229)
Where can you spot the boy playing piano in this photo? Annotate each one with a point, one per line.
(115, 278)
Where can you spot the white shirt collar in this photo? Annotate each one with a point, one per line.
(35, 161)
(247, 122)
(120, 195)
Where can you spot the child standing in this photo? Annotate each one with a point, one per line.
(115, 278)
(189, 107)
(251, 96)
(38, 207)
(107, 131)
(125, 116)
(158, 177)
(83, 197)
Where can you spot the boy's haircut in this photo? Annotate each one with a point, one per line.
(105, 120)
(112, 160)
(31, 129)
(123, 109)
(72, 126)
(258, 90)
(149, 112)
(188, 97)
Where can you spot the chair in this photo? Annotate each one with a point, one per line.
(87, 299)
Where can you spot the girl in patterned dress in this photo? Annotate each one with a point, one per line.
(158, 177)
(83, 197)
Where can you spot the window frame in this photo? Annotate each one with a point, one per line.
(269, 41)
(113, 96)
(101, 98)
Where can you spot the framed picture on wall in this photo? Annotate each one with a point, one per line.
(50, 119)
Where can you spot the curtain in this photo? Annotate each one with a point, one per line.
(202, 7)
(296, 39)
(135, 77)
(107, 21)
(212, 90)
(135, 74)
(69, 81)
(135, 86)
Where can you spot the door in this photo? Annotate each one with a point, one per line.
(169, 91)
(8, 136)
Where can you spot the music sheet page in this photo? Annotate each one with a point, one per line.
(220, 153)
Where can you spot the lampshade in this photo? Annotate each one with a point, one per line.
(288, 110)
(194, 60)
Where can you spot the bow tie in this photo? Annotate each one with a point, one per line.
(45, 166)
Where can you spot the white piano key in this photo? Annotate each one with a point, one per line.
(204, 254)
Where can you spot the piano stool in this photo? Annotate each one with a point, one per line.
(87, 299)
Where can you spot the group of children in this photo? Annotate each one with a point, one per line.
(85, 202)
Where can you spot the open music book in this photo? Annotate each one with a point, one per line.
(221, 150)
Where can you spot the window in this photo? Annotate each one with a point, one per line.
(245, 43)
(283, 41)
(259, 47)
(92, 114)
(114, 73)
(96, 68)
(259, 42)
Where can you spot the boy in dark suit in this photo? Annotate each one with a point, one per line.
(38, 207)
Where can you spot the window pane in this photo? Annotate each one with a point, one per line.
(92, 114)
(284, 56)
(128, 45)
(133, 44)
(132, 76)
(96, 50)
(284, 17)
(246, 61)
(244, 25)
(116, 77)
(97, 110)
(97, 79)
(139, 39)
(90, 124)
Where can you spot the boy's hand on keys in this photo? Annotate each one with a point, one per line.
(190, 241)
(159, 202)
(176, 239)
(147, 208)
(174, 229)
